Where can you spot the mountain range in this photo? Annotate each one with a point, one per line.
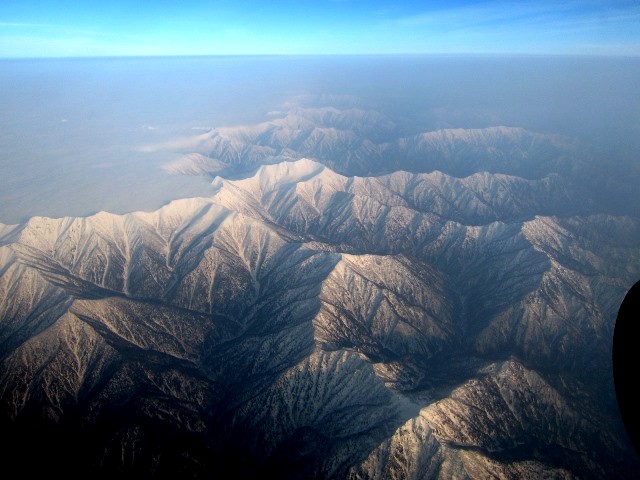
(346, 303)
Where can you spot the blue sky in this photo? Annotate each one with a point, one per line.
(32, 28)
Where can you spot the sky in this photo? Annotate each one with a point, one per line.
(87, 28)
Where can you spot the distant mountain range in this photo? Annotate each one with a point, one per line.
(363, 142)
(434, 306)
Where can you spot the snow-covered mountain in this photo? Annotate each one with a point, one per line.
(305, 323)
(572, 177)
(364, 142)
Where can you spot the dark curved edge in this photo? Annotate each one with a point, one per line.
(626, 363)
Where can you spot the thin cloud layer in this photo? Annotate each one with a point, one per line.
(37, 29)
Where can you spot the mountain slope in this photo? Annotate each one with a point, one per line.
(304, 323)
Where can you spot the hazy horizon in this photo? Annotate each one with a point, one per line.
(74, 130)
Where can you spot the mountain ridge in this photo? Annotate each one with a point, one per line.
(214, 314)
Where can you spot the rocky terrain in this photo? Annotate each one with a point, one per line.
(450, 316)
